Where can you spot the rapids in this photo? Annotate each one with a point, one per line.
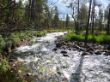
(50, 66)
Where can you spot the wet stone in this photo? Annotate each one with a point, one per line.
(64, 52)
(90, 49)
(55, 49)
(85, 53)
(64, 80)
(98, 52)
(65, 55)
(107, 53)
(108, 47)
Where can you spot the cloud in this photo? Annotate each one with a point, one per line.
(62, 6)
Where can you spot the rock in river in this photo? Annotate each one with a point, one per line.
(64, 53)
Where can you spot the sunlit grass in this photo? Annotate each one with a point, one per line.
(100, 38)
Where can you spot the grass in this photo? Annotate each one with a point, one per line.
(102, 38)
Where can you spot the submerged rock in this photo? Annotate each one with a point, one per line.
(58, 45)
(85, 53)
(98, 52)
(64, 52)
(65, 55)
(55, 49)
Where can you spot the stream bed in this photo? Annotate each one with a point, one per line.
(53, 66)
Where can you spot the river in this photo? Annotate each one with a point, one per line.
(52, 66)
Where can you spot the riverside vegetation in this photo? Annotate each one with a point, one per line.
(20, 22)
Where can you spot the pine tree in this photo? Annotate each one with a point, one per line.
(67, 21)
(83, 15)
(56, 18)
(100, 19)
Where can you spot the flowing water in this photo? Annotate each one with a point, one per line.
(50, 66)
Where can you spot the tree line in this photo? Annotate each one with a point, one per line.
(37, 14)
(34, 14)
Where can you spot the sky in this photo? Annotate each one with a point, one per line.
(62, 6)
(63, 10)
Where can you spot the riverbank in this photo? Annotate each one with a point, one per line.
(96, 38)
(11, 69)
(16, 39)
(42, 53)
(49, 61)
(75, 42)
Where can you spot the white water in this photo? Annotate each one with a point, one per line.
(43, 62)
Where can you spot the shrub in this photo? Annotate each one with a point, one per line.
(6, 74)
(4, 66)
(2, 43)
(14, 37)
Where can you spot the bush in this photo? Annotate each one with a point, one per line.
(2, 43)
(14, 37)
(4, 66)
(6, 74)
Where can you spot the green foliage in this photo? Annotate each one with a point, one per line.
(4, 66)
(14, 37)
(2, 43)
(56, 18)
(83, 14)
(6, 74)
(102, 38)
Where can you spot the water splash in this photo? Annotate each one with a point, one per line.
(49, 66)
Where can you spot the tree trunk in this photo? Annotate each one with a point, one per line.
(108, 23)
(93, 18)
(77, 24)
(87, 27)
